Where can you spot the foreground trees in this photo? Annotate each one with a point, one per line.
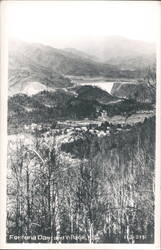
(104, 196)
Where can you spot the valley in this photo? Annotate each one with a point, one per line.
(81, 147)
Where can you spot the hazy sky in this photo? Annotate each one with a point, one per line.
(60, 21)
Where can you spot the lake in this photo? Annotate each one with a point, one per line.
(107, 86)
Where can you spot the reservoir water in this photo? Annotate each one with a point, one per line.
(107, 86)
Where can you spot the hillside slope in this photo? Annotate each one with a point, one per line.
(94, 93)
(25, 68)
(140, 92)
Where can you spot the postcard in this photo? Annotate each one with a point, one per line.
(80, 125)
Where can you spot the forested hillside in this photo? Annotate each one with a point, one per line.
(102, 194)
(77, 103)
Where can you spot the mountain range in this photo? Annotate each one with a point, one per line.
(41, 88)
(108, 48)
(35, 67)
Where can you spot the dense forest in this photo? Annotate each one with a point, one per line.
(92, 190)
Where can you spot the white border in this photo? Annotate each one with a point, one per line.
(3, 154)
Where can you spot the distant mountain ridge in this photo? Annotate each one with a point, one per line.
(81, 54)
(46, 67)
(110, 47)
(126, 54)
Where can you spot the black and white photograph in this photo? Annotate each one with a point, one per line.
(81, 122)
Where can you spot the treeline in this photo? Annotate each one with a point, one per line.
(106, 196)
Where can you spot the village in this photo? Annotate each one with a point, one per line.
(103, 126)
